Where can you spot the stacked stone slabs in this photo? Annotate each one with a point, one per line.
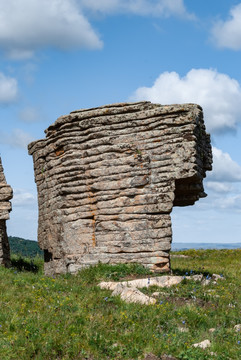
(5, 207)
(108, 178)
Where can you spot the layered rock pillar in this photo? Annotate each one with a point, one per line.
(6, 194)
(108, 178)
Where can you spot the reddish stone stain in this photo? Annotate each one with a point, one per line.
(59, 151)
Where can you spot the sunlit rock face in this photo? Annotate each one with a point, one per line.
(6, 194)
(108, 178)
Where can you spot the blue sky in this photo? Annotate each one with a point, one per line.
(61, 55)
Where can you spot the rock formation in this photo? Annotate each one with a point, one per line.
(6, 194)
(108, 178)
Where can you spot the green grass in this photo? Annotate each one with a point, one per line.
(70, 317)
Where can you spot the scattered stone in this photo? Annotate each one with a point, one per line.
(206, 282)
(6, 194)
(129, 289)
(212, 330)
(203, 344)
(109, 285)
(198, 277)
(160, 293)
(133, 295)
(237, 327)
(161, 281)
(216, 277)
(108, 178)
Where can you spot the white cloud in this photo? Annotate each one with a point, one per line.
(18, 138)
(28, 25)
(22, 197)
(218, 94)
(223, 184)
(227, 34)
(224, 168)
(218, 187)
(229, 202)
(8, 89)
(138, 7)
(29, 115)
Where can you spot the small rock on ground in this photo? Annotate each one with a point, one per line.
(211, 330)
(203, 344)
(237, 327)
(132, 295)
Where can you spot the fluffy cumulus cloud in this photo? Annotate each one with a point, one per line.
(224, 168)
(17, 139)
(227, 33)
(223, 184)
(225, 176)
(218, 94)
(138, 7)
(28, 25)
(8, 89)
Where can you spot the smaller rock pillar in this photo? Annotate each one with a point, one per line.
(6, 194)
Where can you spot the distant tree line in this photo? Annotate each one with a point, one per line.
(22, 247)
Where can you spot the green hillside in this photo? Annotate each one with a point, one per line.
(22, 247)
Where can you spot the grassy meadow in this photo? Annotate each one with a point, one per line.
(70, 317)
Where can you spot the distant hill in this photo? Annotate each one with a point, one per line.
(23, 247)
(186, 246)
(30, 248)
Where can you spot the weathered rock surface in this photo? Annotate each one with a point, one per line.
(6, 194)
(132, 295)
(108, 178)
(161, 281)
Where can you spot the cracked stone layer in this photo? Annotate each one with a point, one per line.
(108, 178)
(6, 194)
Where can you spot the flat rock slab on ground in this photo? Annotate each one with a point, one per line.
(128, 290)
